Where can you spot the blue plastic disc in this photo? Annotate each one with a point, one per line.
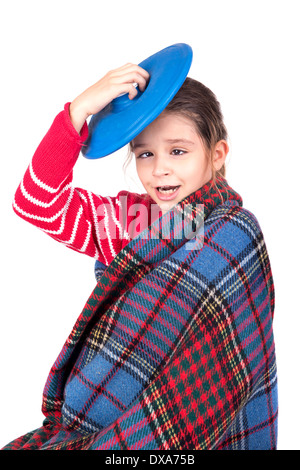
(123, 119)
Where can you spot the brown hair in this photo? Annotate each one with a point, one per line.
(198, 103)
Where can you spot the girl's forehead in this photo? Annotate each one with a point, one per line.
(168, 124)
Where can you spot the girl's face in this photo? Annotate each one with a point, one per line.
(171, 161)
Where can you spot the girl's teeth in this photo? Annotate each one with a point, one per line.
(167, 191)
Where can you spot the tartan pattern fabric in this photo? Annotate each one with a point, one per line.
(174, 349)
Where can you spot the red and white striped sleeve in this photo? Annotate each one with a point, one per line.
(83, 221)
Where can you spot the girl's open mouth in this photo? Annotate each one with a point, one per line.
(166, 193)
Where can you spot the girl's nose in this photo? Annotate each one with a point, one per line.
(161, 167)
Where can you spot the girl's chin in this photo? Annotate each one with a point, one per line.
(165, 207)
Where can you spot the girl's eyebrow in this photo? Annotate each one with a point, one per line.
(136, 146)
(169, 141)
(180, 141)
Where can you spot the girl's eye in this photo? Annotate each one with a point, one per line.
(145, 155)
(178, 152)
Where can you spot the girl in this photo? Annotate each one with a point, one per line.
(174, 348)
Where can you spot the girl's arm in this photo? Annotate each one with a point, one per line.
(46, 197)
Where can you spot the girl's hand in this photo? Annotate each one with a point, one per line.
(113, 84)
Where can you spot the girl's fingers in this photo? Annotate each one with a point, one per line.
(129, 88)
(132, 92)
(130, 68)
(132, 77)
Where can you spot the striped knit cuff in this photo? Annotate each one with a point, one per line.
(84, 130)
(58, 151)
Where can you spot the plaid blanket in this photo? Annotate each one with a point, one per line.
(174, 348)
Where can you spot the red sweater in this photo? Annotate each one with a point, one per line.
(94, 225)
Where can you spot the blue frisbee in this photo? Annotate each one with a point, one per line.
(123, 119)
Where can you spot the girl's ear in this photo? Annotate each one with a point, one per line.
(220, 154)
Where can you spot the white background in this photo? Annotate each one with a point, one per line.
(247, 52)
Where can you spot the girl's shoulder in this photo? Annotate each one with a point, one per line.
(234, 222)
